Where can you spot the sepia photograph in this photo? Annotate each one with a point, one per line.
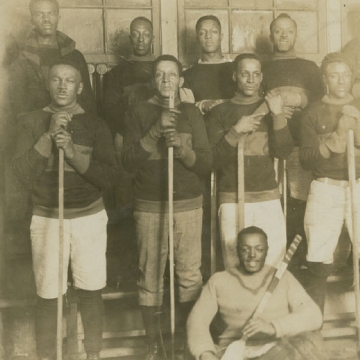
(161, 167)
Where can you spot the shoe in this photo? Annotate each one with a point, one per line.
(93, 356)
(153, 351)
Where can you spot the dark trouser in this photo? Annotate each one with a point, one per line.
(92, 313)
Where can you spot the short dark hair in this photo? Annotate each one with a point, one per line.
(207, 17)
(67, 62)
(335, 57)
(33, 2)
(282, 16)
(243, 57)
(166, 57)
(142, 18)
(250, 230)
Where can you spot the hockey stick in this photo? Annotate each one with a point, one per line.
(353, 204)
(61, 257)
(236, 350)
(213, 233)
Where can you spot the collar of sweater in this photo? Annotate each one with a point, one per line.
(284, 55)
(163, 102)
(240, 99)
(221, 61)
(149, 57)
(253, 282)
(343, 101)
(74, 110)
(31, 48)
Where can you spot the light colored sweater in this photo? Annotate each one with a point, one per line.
(234, 295)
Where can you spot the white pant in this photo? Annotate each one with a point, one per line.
(267, 215)
(84, 244)
(328, 207)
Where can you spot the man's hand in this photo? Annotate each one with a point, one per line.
(208, 355)
(173, 139)
(207, 105)
(248, 124)
(255, 326)
(58, 120)
(275, 103)
(62, 140)
(288, 111)
(168, 119)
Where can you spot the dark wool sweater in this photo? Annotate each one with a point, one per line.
(29, 72)
(319, 121)
(260, 149)
(300, 74)
(151, 168)
(127, 83)
(210, 81)
(91, 138)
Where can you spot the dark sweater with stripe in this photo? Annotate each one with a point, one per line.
(319, 121)
(210, 81)
(127, 83)
(300, 74)
(260, 149)
(151, 168)
(82, 193)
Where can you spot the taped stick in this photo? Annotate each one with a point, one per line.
(355, 237)
(59, 329)
(171, 234)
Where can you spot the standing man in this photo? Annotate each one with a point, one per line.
(128, 83)
(324, 129)
(208, 82)
(90, 166)
(130, 80)
(44, 47)
(288, 73)
(266, 137)
(151, 129)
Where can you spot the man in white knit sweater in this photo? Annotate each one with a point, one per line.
(286, 329)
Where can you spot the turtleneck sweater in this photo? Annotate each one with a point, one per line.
(148, 158)
(234, 295)
(272, 139)
(319, 121)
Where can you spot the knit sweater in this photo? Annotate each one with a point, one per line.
(234, 295)
(210, 81)
(127, 83)
(150, 167)
(319, 121)
(29, 73)
(36, 163)
(296, 75)
(261, 147)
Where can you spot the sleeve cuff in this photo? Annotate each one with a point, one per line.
(232, 137)
(44, 146)
(324, 151)
(279, 121)
(278, 331)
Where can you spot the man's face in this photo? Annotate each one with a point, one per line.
(45, 18)
(209, 36)
(167, 78)
(283, 35)
(141, 37)
(248, 76)
(252, 251)
(338, 79)
(64, 84)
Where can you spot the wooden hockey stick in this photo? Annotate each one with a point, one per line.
(61, 258)
(236, 350)
(353, 204)
(213, 233)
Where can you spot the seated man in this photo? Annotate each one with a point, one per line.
(284, 329)
(90, 166)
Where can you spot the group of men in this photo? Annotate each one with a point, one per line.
(216, 104)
